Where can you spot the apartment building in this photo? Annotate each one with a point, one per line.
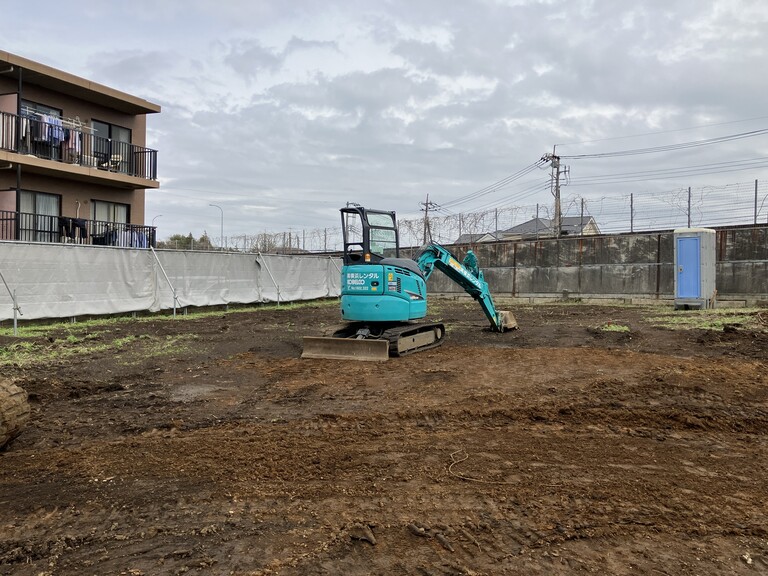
(74, 166)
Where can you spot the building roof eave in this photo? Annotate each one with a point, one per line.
(75, 86)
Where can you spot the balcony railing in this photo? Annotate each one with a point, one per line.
(27, 227)
(57, 142)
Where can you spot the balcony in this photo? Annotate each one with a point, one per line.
(25, 227)
(75, 146)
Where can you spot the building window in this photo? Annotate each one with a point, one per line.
(39, 216)
(42, 132)
(112, 145)
(111, 131)
(31, 108)
(109, 226)
(110, 212)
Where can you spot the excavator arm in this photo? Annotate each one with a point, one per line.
(468, 275)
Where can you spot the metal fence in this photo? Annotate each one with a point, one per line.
(27, 227)
(706, 206)
(49, 138)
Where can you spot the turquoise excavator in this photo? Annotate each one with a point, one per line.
(383, 296)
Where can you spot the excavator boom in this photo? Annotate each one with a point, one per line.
(469, 277)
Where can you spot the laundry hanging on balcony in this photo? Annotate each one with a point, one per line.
(48, 129)
(52, 129)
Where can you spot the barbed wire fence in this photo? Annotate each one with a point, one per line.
(736, 204)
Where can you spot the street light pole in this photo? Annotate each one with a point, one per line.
(154, 231)
(221, 238)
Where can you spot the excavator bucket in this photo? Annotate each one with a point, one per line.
(345, 348)
(507, 320)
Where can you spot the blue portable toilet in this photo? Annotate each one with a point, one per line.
(695, 271)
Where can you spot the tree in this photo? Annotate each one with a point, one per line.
(188, 242)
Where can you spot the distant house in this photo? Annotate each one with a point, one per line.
(469, 238)
(536, 228)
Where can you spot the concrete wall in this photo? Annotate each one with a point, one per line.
(627, 266)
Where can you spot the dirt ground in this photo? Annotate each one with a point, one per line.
(208, 446)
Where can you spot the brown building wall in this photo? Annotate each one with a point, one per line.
(8, 189)
(72, 108)
(72, 192)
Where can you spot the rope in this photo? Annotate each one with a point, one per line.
(455, 461)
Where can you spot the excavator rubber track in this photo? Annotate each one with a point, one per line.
(396, 340)
(414, 338)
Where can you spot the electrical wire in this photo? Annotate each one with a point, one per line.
(643, 134)
(671, 173)
(495, 186)
(669, 147)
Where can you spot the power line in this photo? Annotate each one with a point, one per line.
(671, 173)
(663, 131)
(495, 186)
(627, 177)
(670, 147)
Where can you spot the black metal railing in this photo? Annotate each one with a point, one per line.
(26, 227)
(53, 140)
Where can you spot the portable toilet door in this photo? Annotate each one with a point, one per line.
(694, 268)
(688, 267)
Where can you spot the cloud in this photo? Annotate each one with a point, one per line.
(282, 112)
(248, 57)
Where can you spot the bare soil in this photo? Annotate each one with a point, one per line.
(554, 449)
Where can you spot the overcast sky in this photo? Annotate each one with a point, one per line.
(282, 112)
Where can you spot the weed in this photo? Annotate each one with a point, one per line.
(611, 327)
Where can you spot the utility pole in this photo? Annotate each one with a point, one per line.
(755, 204)
(557, 170)
(427, 205)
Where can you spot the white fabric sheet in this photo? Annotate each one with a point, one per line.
(66, 280)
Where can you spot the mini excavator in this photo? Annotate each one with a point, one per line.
(383, 295)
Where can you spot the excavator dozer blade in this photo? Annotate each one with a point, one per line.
(508, 321)
(345, 348)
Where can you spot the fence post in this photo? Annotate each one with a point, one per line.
(689, 206)
(16, 307)
(755, 222)
(175, 298)
(277, 286)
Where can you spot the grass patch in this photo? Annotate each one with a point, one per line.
(93, 326)
(69, 331)
(716, 319)
(25, 353)
(49, 341)
(612, 327)
(151, 347)
(169, 345)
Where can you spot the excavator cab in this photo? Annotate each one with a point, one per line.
(377, 285)
(368, 235)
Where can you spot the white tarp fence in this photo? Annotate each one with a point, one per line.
(67, 280)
